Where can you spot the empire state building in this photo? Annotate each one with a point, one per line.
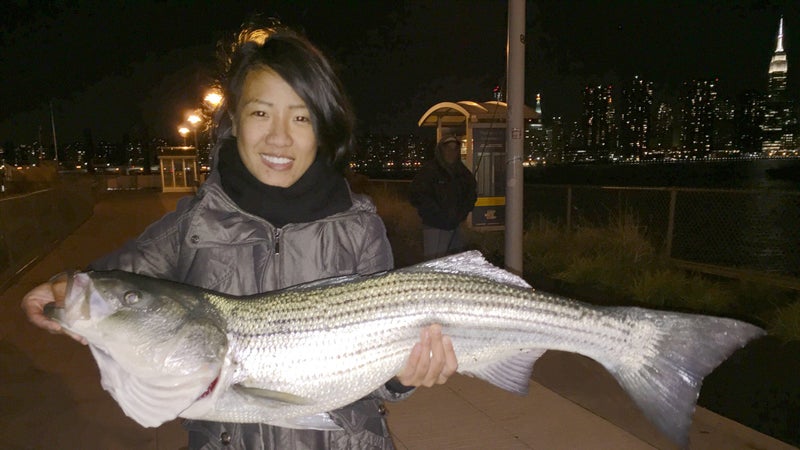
(778, 121)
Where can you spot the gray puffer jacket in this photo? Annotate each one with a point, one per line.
(208, 241)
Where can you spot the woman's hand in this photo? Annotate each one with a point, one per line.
(432, 360)
(33, 304)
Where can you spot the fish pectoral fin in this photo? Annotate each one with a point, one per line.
(282, 397)
(512, 373)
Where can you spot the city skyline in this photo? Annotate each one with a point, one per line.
(603, 45)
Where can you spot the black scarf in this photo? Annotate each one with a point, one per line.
(319, 193)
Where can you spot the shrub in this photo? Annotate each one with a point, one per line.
(784, 322)
(403, 225)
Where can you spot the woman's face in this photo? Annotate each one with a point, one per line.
(273, 129)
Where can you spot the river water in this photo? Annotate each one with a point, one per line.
(777, 174)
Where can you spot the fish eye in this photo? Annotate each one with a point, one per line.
(131, 297)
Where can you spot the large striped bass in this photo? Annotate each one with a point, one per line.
(287, 357)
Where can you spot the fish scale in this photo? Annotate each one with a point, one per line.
(288, 357)
(538, 321)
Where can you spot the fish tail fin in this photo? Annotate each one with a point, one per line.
(665, 382)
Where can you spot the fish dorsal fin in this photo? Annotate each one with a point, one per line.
(470, 263)
(512, 373)
(282, 397)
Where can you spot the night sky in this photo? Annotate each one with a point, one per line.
(137, 67)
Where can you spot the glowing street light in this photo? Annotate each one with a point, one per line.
(213, 99)
(183, 131)
(211, 103)
(194, 120)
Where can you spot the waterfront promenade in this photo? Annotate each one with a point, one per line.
(51, 398)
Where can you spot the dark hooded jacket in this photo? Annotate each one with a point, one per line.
(444, 194)
(211, 242)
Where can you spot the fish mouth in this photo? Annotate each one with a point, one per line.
(54, 312)
(79, 304)
(58, 310)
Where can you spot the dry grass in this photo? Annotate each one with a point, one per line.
(784, 322)
(619, 260)
(403, 225)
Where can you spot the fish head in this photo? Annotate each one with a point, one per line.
(91, 297)
(159, 345)
(148, 320)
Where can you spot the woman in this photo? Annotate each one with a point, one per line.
(275, 212)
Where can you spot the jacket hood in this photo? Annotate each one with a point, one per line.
(218, 143)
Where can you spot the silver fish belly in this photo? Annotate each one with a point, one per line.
(289, 356)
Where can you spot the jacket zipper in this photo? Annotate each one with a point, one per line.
(277, 241)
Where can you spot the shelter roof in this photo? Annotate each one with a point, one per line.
(453, 113)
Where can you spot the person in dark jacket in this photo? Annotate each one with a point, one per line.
(444, 193)
(275, 211)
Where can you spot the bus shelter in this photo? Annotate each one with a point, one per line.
(481, 127)
(178, 167)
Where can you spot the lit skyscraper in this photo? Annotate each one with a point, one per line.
(749, 118)
(637, 102)
(597, 121)
(778, 118)
(537, 138)
(697, 126)
(724, 138)
(778, 69)
(663, 135)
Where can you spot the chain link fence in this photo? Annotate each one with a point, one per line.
(754, 230)
(749, 230)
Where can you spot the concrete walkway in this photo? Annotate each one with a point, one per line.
(50, 395)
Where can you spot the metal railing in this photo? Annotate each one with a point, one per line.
(31, 223)
(751, 231)
(739, 233)
(748, 234)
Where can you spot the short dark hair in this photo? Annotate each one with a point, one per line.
(307, 71)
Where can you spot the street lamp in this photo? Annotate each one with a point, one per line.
(194, 119)
(183, 131)
(213, 99)
(211, 102)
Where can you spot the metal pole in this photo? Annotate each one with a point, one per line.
(53, 125)
(673, 194)
(569, 208)
(515, 74)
